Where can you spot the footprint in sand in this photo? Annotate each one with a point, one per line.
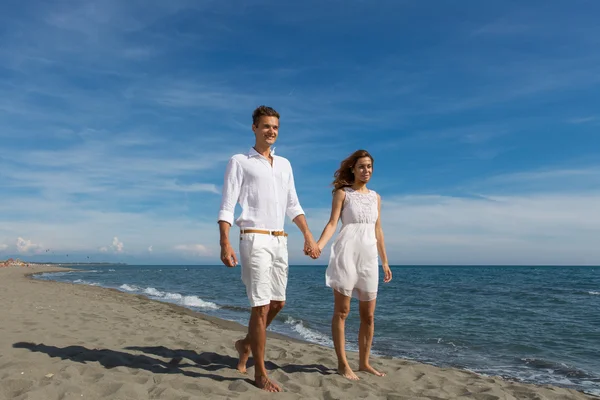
(238, 386)
(109, 389)
(293, 388)
(329, 395)
(142, 380)
(16, 387)
(482, 396)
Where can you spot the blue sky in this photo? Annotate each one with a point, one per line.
(117, 119)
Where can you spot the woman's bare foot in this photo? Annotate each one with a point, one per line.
(347, 373)
(264, 383)
(371, 370)
(243, 350)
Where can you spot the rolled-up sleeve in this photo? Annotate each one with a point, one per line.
(293, 204)
(231, 191)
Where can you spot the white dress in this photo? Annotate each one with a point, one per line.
(353, 268)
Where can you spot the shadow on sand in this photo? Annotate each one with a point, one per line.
(111, 359)
(214, 362)
(207, 361)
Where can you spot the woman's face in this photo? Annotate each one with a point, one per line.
(363, 169)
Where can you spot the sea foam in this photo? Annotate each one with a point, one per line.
(177, 298)
(307, 333)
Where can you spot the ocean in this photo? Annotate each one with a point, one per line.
(529, 324)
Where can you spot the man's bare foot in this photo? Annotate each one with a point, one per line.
(347, 373)
(244, 352)
(264, 383)
(371, 370)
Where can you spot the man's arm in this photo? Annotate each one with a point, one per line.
(310, 246)
(300, 221)
(231, 191)
(228, 256)
(296, 214)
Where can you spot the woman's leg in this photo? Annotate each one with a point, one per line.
(365, 336)
(341, 308)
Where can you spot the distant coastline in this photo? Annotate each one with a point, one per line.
(79, 263)
(20, 263)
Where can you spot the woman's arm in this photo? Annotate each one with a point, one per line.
(381, 244)
(336, 210)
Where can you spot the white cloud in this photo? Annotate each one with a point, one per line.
(117, 245)
(536, 217)
(198, 250)
(516, 227)
(3, 247)
(72, 227)
(582, 120)
(557, 180)
(194, 187)
(521, 229)
(27, 246)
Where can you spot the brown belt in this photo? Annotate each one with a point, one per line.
(264, 232)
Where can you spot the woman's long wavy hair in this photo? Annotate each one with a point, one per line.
(344, 177)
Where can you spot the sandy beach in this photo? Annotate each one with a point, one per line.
(67, 341)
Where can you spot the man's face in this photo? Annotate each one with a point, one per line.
(266, 130)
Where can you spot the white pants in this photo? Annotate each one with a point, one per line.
(264, 260)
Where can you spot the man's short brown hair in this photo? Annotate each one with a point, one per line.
(263, 111)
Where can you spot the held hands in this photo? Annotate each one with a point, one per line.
(311, 248)
(387, 273)
(228, 256)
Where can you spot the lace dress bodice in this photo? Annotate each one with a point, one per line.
(359, 208)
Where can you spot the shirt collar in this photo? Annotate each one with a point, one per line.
(254, 153)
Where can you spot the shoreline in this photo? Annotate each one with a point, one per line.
(219, 322)
(92, 339)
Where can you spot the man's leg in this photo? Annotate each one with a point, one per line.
(243, 345)
(256, 271)
(257, 332)
(278, 283)
(254, 261)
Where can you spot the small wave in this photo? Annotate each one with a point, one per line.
(594, 293)
(172, 296)
(187, 301)
(560, 369)
(153, 292)
(537, 376)
(111, 270)
(194, 301)
(307, 333)
(83, 282)
(593, 392)
(129, 288)
(53, 274)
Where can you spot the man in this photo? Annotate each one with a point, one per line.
(263, 184)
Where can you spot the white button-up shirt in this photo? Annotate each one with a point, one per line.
(266, 193)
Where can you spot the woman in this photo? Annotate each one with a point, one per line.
(353, 263)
